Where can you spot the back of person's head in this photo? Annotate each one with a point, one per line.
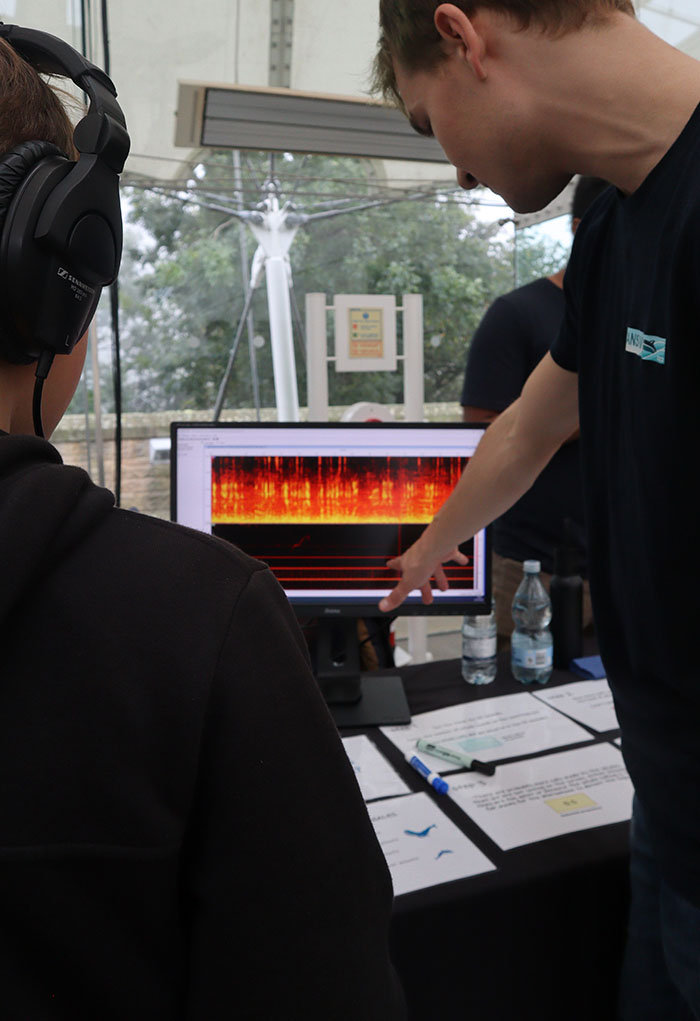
(408, 34)
(586, 191)
(30, 110)
(60, 215)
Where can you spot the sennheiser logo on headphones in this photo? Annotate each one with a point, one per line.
(75, 283)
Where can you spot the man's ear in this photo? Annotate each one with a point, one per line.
(461, 36)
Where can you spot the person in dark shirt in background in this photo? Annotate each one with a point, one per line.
(514, 334)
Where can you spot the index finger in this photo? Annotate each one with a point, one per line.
(395, 597)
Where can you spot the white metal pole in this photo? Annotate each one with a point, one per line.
(413, 373)
(275, 238)
(316, 358)
(414, 395)
(243, 249)
(281, 339)
(418, 640)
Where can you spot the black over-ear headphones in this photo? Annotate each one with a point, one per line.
(60, 219)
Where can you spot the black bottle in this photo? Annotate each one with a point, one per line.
(566, 594)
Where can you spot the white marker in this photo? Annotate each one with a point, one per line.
(455, 757)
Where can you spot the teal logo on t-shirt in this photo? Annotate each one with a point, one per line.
(649, 349)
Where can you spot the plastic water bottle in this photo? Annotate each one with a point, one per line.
(479, 642)
(531, 643)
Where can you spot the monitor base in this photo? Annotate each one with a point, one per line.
(382, 703)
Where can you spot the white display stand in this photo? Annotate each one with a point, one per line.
(318, 359)
(365, 333)
(367, 411)
(411, 360)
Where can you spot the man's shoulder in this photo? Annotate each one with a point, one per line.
(533, 287)
(533, 294)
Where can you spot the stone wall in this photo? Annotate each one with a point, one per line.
(146, 485)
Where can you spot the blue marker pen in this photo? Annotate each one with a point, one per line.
(439, 785)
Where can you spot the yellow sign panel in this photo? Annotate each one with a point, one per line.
(366, 332)
(571, 803)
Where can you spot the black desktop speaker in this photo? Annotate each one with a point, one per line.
(60, 219)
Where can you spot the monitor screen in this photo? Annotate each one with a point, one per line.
(326, 506)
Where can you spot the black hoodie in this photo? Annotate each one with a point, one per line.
(181, 834)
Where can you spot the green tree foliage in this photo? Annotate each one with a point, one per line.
(182, 287)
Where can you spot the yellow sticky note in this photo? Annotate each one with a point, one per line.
(571, 803)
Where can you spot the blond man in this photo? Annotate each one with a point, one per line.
(522, 94)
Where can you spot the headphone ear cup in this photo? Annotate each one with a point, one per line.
(14, 167)
(42, 305)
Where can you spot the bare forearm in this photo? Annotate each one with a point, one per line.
(504, 467)
(512, 453)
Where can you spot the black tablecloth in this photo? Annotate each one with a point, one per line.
(542, 936)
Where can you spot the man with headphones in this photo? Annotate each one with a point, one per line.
(181, 833)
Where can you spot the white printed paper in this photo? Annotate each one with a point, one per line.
(503, 727)
(541, 798)
(377, 777)
(422, 846)
(589, 702)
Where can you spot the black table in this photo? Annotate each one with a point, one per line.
(541, 937)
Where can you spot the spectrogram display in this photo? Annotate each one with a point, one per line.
(331, 490)
(332, 522)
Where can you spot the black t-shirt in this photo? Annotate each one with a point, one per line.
(511, 339)
(632, 330)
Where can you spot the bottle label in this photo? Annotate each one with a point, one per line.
(533, 659)
(480, 648)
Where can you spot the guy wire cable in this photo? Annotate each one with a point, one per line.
(114, 305)
(83, 26)
(117, 382)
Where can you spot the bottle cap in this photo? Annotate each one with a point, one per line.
(532, 567)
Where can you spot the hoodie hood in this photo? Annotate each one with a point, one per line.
(46, 509)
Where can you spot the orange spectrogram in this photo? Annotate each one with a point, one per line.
(331, 490)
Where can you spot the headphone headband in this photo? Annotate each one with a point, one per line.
(103, 130)
(50, 55)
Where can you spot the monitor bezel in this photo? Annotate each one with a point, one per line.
(368, 607)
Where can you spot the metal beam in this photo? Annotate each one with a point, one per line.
(281, 36)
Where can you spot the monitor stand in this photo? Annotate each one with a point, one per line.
(355, 699)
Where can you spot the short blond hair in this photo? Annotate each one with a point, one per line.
(408, 34)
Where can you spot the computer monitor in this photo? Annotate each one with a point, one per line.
(326, 506)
